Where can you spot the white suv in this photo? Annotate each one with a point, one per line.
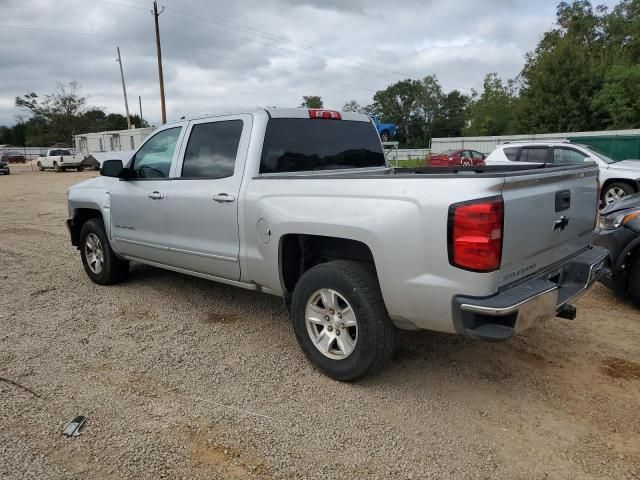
(618, 179)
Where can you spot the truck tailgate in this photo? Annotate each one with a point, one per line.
(547, 217)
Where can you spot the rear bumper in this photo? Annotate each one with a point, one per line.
(517, 308)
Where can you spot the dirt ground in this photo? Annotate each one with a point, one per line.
(184, 378)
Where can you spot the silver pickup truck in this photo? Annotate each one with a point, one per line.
(301, 204)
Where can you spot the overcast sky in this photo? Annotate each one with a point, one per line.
(230, 55)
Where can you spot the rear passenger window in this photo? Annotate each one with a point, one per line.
(534, 155)
(212, 149)
(567, 156)
(511, 153)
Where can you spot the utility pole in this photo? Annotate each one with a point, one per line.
(124, 90)
(160, 76)
(140, 103)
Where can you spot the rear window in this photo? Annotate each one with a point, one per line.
(511, 153)
(56, 153)
(534, 154)
(300, 144)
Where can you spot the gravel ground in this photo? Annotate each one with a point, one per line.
(184, 378)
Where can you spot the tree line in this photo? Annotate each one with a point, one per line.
(583, 75)
(57, 117)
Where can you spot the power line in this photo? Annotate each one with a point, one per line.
(279, 39)
(65, 32)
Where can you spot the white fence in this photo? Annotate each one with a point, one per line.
(32, 152)
(488, 144)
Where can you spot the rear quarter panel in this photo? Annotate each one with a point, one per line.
(402, 219)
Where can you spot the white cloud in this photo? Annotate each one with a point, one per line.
(224, 59)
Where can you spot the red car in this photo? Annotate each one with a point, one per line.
(454, 158)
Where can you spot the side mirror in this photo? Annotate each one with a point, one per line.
(112, 168)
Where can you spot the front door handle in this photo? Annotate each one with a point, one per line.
(224, 198)
(156, 195)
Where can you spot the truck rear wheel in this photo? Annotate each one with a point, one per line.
(99, 260)
(56, 167)
(340, 320)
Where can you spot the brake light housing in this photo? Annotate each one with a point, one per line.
(475, 233)
(318, 113)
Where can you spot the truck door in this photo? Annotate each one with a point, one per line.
(139, 203)
(202, 203)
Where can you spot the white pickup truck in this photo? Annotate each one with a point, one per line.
(301, 204)
(59, 159)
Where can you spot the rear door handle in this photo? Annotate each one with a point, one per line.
(224, 198)
(156, 195)
(563, 200)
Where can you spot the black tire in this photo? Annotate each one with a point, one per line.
(633, 282)
(384, 136)
(80, 169)
(625, 187)
(56, 167)
(358, 284)
(113, 270)
(40, 167)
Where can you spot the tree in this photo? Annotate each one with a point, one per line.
(59, 111)
(492, 112)
(619, 97)
(412, 105)
(564, 73)
(311, 101)
(352, 106)
(450, 119)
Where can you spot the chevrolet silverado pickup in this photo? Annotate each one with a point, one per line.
(301, 204)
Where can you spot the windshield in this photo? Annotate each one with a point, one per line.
(296, 145)
(601, 156)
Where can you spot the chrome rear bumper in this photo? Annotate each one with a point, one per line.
(517, 308)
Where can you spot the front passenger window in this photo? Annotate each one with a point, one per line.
(153, 160)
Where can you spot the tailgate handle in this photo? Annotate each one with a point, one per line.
(563, 200)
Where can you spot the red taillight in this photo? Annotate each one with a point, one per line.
(475, 234)
(62, 159)
(326, 114)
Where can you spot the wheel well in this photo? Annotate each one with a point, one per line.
(80, 216)
(299, 252)
(626, 181)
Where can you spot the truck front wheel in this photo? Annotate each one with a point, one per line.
(99, 260)
(340, 320)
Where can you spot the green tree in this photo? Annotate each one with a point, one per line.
(564, 73)
(60, 111)
(492, 111)
(412, 105)
(619, 97)
(352, 106)
(450, 119)
(311, 101)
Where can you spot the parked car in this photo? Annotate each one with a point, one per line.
(460, 156)
(4, 168)
(617, 179)
(620, 233)
(386, 130)
(59, 159)
(13, 156)
(301, 204)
